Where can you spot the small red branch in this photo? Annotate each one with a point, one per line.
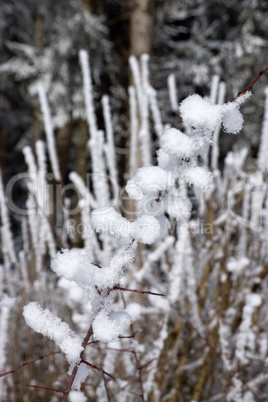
(249, 87)
(27, 363)
(75, 369)
(96, 265)
(46, 388)
(137, 291)
(160, 195)
(98, 369)
(97, 289)
(146, 364)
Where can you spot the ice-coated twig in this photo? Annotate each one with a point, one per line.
(6, 234)
(215, 148)
(109, 146)
(133, 131)
(263, 150)
(144, 134)
(96, 142)
(214, 88)
(172, 92)
(49, 133)
(6, 305)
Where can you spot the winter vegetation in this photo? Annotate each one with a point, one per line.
(137, 281)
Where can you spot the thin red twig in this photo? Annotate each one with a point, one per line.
(249, 87)
(137, 291)
(75, 369)
(27, 363)
(97, 289)
(98, 369)
(96, 265)
(46, 388)
(146, 364)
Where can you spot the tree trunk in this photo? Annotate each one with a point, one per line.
(141, 27)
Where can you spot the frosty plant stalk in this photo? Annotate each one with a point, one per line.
(159, 193)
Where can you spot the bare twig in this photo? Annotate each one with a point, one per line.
(138, 291)
(249, 87)
(27, 363)
(98, 369)
(75, 369)
(46, 388)
(147, 364)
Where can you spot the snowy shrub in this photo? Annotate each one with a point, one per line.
(169, 303)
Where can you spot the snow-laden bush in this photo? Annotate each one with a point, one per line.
(182, 272)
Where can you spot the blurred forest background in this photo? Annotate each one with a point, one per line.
(194, 39)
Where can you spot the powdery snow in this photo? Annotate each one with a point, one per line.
(46, 323)
(107, 327)
(148, 180)
(75, 266)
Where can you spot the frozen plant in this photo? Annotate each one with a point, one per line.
(211, 322)
(157, 195)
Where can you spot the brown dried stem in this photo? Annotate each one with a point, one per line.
(27, 363)
(75, 369)
(249, 87)
(46, 388)
(98, 369)
(138, 291)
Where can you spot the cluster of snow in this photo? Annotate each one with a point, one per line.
(46, 323)
(145, 229)
(77, 396)
(74, 265)
(107, 327)
(200, 113)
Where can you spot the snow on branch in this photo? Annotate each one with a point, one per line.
(46, 323)
(49, 132)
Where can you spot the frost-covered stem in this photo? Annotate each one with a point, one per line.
(24, 272)
(45, 231)
(224, 333)
(83, 190)
(86, 202)
(25, 237)
(158, 125)
(133, 130)
(158, 347)
(191, 291)
(6, 305)
(49, 133)
(88, 91)
(6, 234)
(177, 273)
(214, 88)
(242, 243)
(143, 109)
(172, 92)
(96, 142)
(263, 150)
(109, 148)
(215, 148)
